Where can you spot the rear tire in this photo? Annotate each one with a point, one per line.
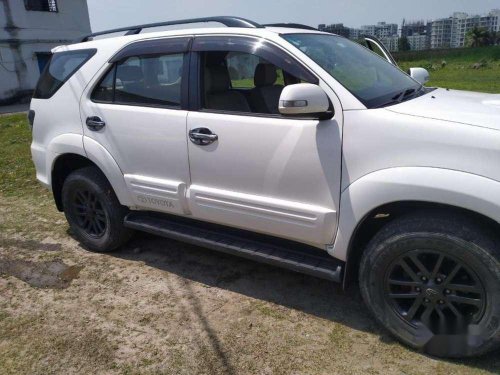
(93, 211)
(433, 280)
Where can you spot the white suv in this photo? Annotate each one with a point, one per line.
(288, 146)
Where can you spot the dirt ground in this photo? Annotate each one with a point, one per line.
(163, 307)
(160, 306)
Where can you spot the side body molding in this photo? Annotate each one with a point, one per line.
(425, 184)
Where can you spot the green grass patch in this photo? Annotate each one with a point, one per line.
(17, 172)
(472, 69)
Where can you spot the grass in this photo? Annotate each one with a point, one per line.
(454, 68)
(17, 173)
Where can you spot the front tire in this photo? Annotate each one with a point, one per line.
(433, 280)
(93, 211)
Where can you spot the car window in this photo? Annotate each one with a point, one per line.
(143, 80)
(242, 82)
(61, 67)
(242, 67)
(372, 79)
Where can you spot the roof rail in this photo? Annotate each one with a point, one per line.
(291, 25)
(225, 20)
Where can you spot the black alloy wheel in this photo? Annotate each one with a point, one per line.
(90, 214)
(93, 211)
(435, 289)
(432, 279)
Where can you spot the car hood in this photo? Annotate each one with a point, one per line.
(464, 107)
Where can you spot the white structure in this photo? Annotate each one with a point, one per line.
(417, 42)
(391, 42)
(381, 30)
(451, 32)
(29, 29)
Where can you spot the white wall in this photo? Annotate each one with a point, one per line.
(24, 33)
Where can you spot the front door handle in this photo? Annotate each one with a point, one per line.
(95, 123)
(202, 136)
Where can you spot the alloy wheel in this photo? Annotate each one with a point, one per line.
(89, 213)
(435, 289)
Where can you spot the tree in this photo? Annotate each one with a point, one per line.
(495, 38)
(404, 44)
(478, 37)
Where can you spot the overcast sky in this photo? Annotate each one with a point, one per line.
(106, 14)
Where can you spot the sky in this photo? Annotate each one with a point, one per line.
(107, 14)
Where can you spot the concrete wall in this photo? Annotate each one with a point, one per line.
(25, 33)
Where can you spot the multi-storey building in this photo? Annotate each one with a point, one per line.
(412, 28)
(355, 34)
(337, 28)
(448, 32)
(418, 42)
(29, 29)
(441, 33)
(452, 32)
(391, 42)
(381, 30)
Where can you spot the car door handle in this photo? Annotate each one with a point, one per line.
(95, 123)
(202, 136)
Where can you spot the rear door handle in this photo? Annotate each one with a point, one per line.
(202, 136)
(95, 123)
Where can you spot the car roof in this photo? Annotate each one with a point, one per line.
(270, 32)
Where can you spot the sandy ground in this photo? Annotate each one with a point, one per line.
(159, 306)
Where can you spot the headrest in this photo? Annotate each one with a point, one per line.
(129, 73)
(265, 75)
(217, 79)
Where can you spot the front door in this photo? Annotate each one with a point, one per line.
(136, 112)
(250, 167)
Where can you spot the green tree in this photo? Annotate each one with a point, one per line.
(495, 38)
(404, 44)
(478, 37)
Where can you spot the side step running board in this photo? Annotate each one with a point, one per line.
(295, 257)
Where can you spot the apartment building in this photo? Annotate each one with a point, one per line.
(418, 42)
(337, 28)
(391, 42)
(452, 32)
(381, 30)
(448, 32)
(29, 29)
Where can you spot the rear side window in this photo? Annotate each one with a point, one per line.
(61, 67)
(143, 80)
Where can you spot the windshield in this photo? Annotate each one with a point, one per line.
(372, 79)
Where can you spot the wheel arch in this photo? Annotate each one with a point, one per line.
(373, 200)
(67, 160)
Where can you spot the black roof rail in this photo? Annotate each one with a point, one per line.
(291, 25)
(225, 20)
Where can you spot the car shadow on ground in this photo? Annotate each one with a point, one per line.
(320, 298)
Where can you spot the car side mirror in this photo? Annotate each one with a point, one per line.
(305, 100)
(420, 75)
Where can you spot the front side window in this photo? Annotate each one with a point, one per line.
(143, 80)
(242, 67)
(372, 79)
(242, 82)
(60, 68)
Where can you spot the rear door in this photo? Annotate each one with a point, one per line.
(137, 113)
(256, 170)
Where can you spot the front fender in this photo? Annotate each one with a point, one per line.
(435, 185)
